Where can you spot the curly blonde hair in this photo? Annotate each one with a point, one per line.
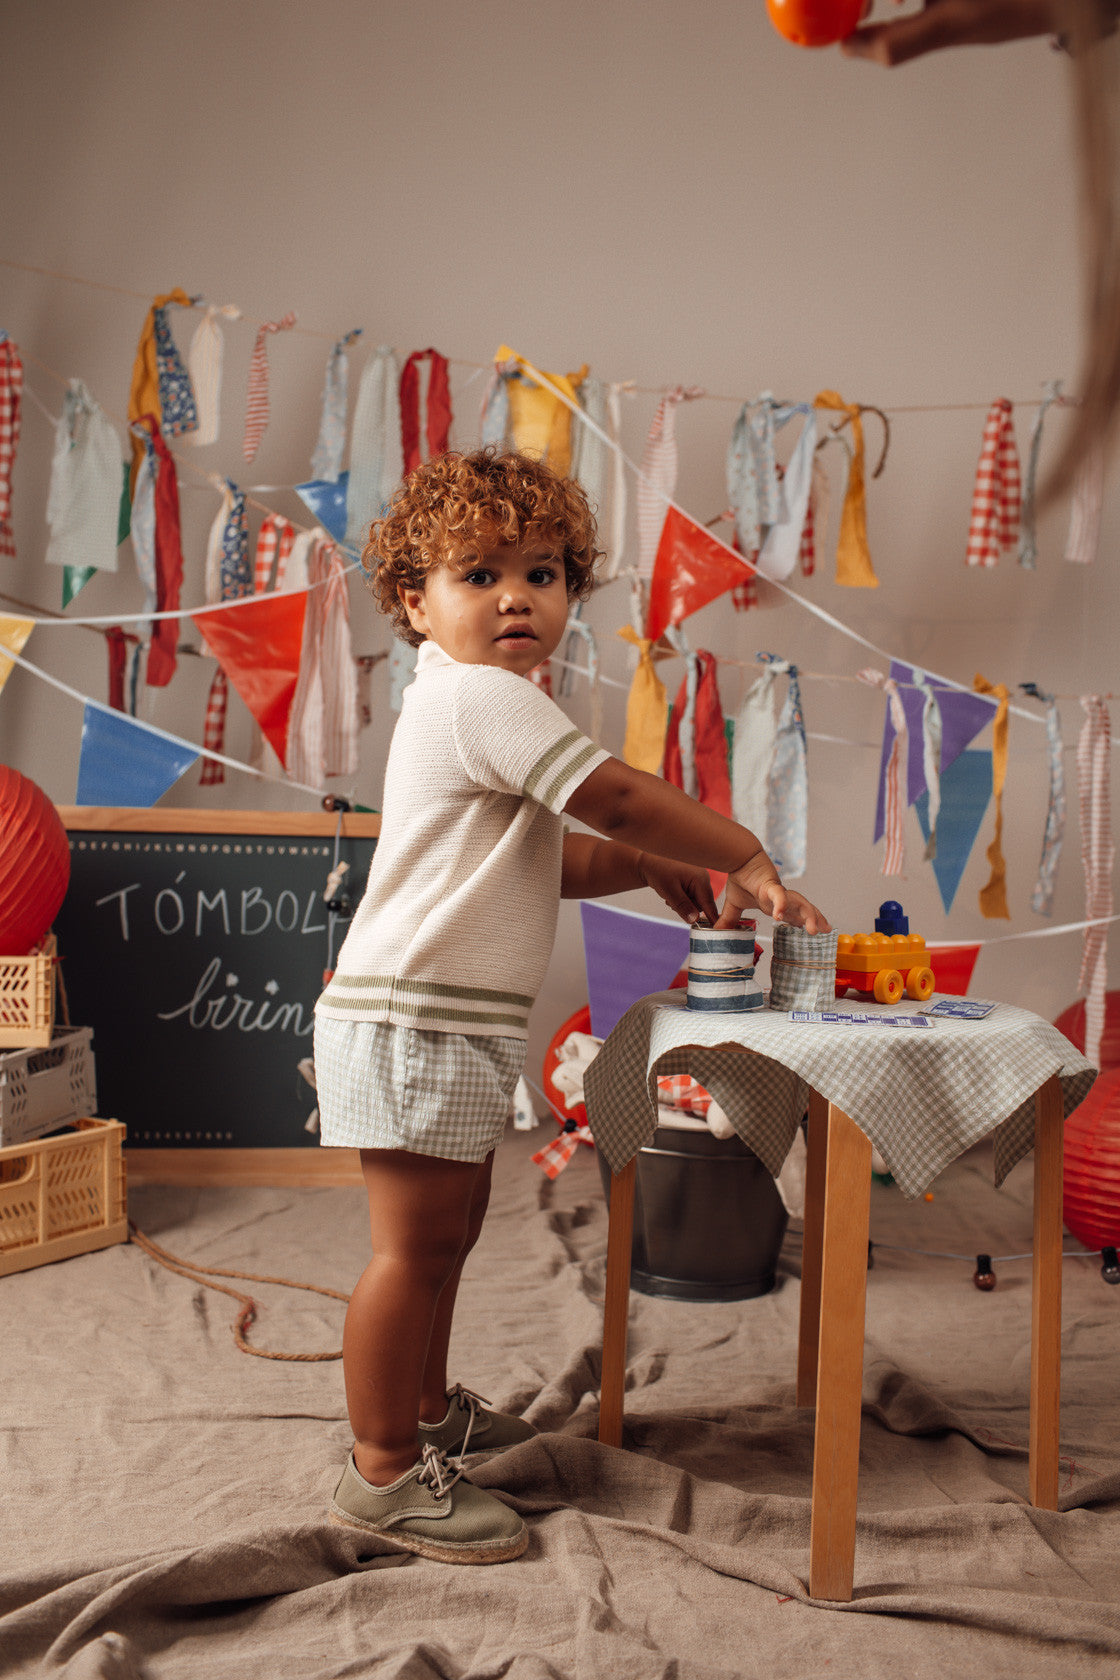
(488, 498)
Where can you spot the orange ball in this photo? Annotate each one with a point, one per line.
(815, 23)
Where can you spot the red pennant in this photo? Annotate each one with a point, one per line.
(952, 967)
(690, 570)
(258, 645)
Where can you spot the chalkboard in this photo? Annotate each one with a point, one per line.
(194, 944)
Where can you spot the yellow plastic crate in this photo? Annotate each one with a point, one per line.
(27, 999)
(62, 1195)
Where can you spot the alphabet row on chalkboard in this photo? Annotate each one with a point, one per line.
(216, 848)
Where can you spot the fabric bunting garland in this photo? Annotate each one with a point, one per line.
(932, 736)
(589, 452)
(84, 499)
(157, 546)
(438, 427)
(1042, 898)
(752, 753)
(626, 955)
(257, 404)
(539, 423)
(696, 743)
(204, 363)
(788, 792)
(118, 642)
(14, 633)
(691, 569)
(228, 578)
(326, 462)
(178, 413)
(853, 557)
(894, 853)
(11, 394)
(123, 762)
(375, 444)
(258, 648)
(1085, 515)
(658, 478)
(994, 521)
(1094, 772)
(144, 391)
(647, 706)
(617, 545)
(993, 896)
(1028, 540)
(583, 632)
(275, 540)
(754, 490)
(784, 542)
(323, 726)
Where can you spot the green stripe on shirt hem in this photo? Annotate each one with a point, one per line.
(433, 988)
(546, 761)
(420, 1013)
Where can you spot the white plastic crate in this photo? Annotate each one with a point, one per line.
(41, 1089)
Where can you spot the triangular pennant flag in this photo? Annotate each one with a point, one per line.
(74, 579)
(952, 967)
(966, 787)
(963, 716)
(124, 763)
(13, 636)
(690, 570)
(627, 956)
(258, 646)
(326, 498)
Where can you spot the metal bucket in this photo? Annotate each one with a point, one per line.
(708, 1219)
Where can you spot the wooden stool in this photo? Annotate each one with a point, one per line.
(831, 1330)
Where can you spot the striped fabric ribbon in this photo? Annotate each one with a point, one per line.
(754, 489)
(326, 462)
(788, 792)
(1028, 542)
(993, 896)
(257, 405)
(11, 397)
(204, 363)
(274, 545)
(617, 546)
(931, 756)
(1085, 514)
(323, 726)
(658, 478)
(375, 443)
(894, 797)
(437, 429)
(816, 518)
(229, 577)
(1094, 753)
(1042, 898)
(994, 521)
(144, 516)
(214, 730)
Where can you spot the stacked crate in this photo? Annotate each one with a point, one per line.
(62, 1185)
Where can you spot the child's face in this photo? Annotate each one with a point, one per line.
(504, 606)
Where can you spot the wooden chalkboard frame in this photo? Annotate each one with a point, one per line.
(199, 1166)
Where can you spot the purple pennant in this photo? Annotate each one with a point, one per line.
(627, 956)
(963, 716)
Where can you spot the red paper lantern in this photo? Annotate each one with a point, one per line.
(1091, 1203)
(1072, 1022)
(815, 23)
(34, 863)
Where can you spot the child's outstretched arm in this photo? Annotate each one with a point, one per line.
(594, 868)
(642, 810)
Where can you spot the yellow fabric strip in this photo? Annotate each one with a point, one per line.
(539, 423)
(143, 396)
(647, 708)
(853, 557)
(993, 897)
(13, 636)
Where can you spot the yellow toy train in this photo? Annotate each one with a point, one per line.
(886, 963)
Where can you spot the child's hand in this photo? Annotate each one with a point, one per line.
(684, 889)
(756, 887)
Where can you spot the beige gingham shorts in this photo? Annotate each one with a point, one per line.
(433, 1093)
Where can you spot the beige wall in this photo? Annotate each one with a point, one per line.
(668, 192)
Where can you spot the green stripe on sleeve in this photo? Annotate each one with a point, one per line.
(547, 760)
(548, 797)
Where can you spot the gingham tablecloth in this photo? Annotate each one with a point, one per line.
(922, 1096)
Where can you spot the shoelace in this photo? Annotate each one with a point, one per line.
(436, 1472)
(467, 1401)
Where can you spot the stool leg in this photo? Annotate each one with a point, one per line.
(847, 1205)
(616, 1306)
(1046, 1296)
(812, 1239)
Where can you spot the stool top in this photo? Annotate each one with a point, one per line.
(922, 1097)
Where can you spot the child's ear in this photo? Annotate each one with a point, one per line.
(412, 601)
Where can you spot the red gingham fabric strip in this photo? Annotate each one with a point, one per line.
(214, 730)
(554, 1157)
(994, 522)
(680, 1091)
(256, 412)
(275, 539)
(894, 803)
(1094, 753)
(11, 397)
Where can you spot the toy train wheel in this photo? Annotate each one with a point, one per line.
(888, 985)
(920, 984)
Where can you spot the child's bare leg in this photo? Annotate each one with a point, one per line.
(420, 1213)
(433, 1399)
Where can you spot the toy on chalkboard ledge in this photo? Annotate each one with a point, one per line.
(815, 23)
(886, 963)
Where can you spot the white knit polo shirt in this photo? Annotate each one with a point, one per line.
(456, 926)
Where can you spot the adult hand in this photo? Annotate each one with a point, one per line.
(684, 888)
(953, 23)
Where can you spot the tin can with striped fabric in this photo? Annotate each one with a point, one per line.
(721, 968)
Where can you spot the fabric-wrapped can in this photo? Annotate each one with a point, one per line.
(721, 968)
(802, 969)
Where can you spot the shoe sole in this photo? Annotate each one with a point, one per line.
(496, 1552)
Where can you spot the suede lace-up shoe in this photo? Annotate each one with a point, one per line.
(470, 1428)
(431, 1510)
